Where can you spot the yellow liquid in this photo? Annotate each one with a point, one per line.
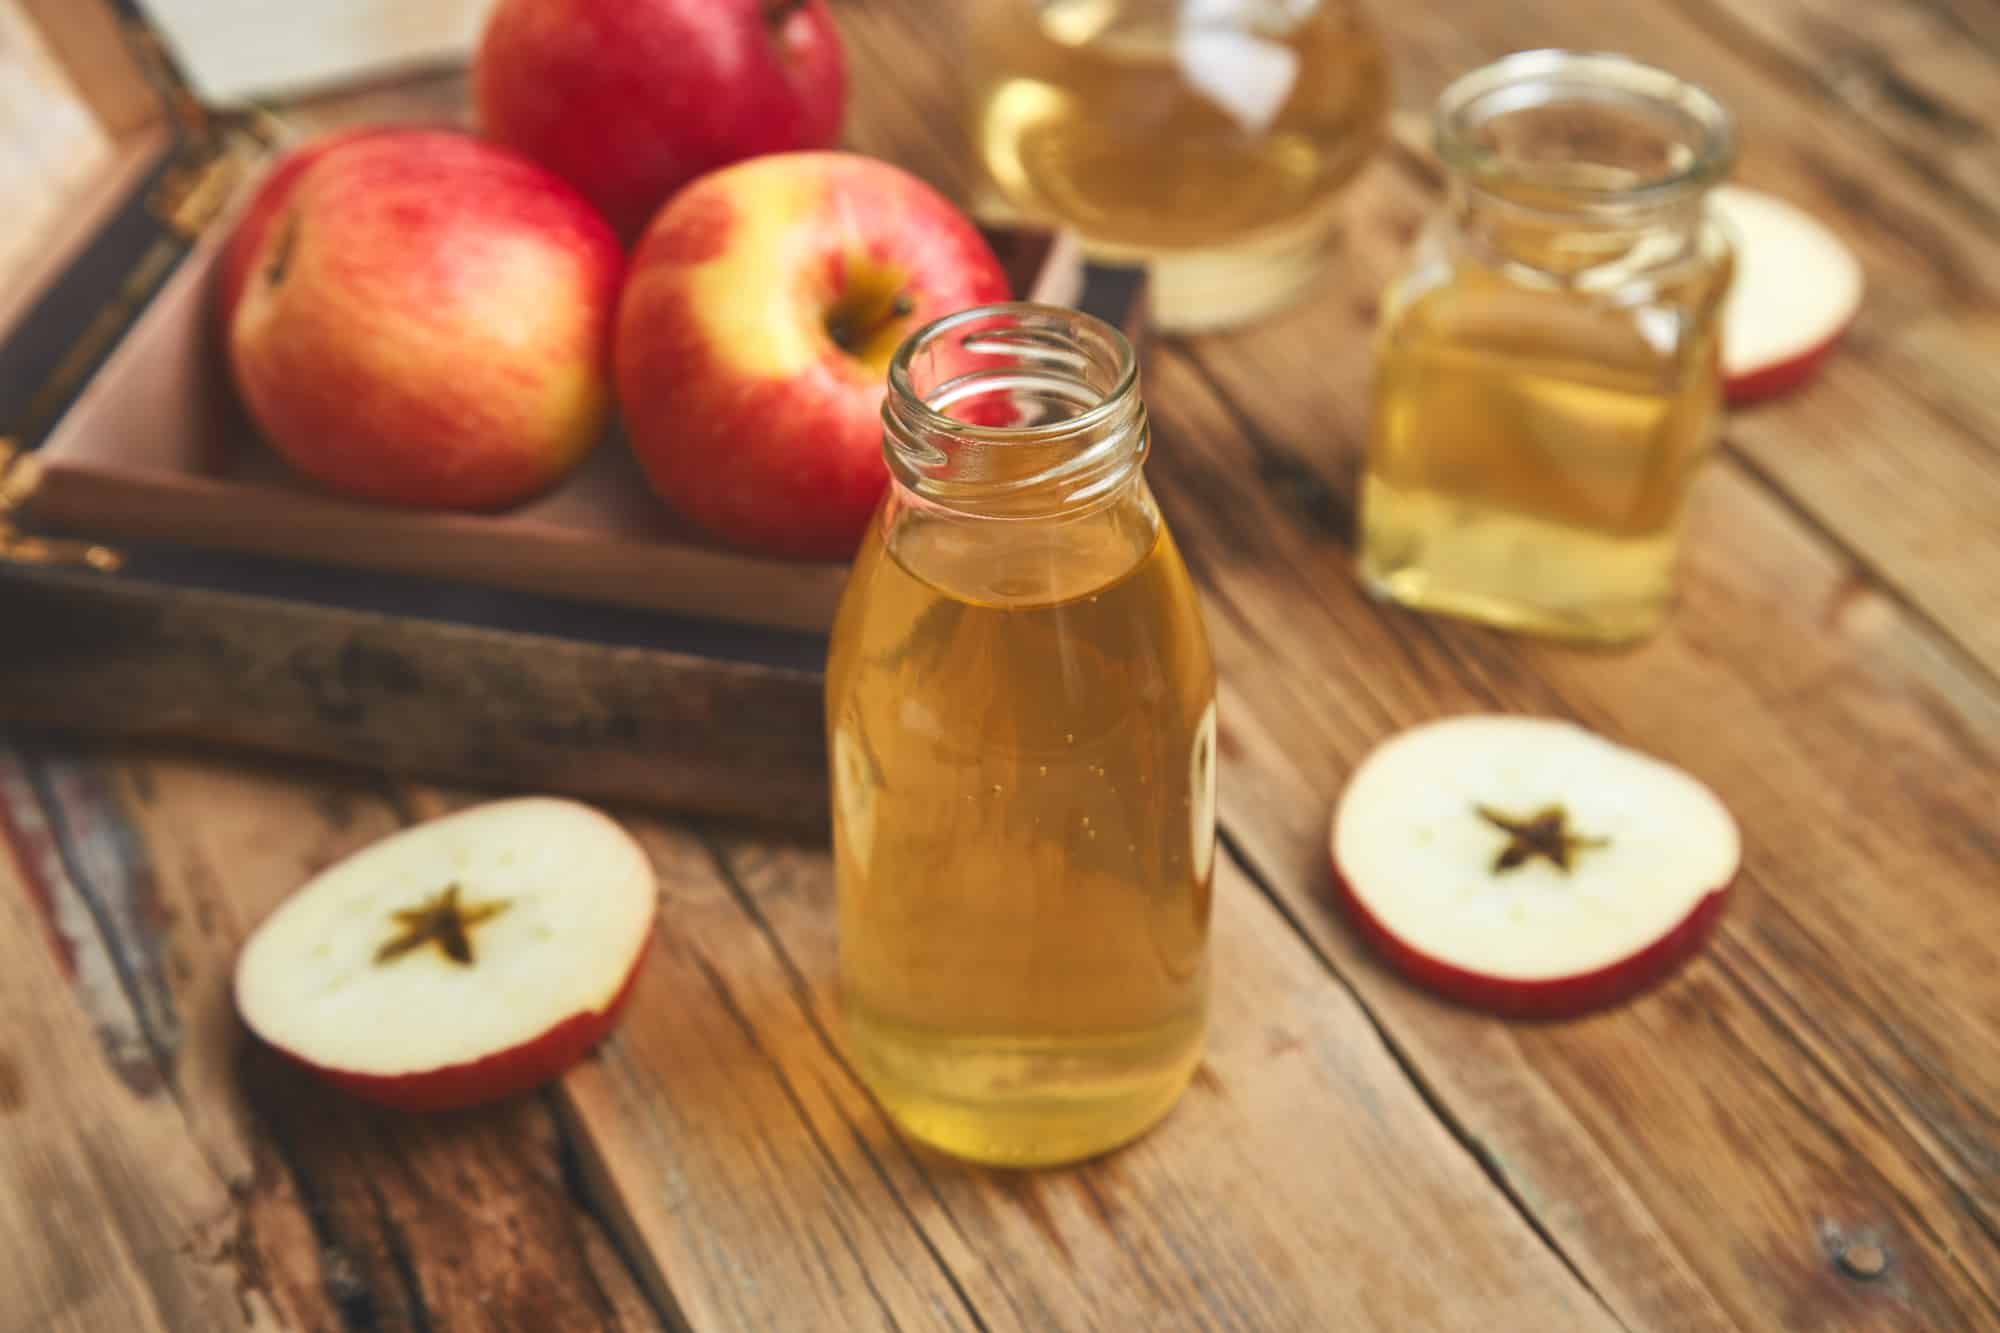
(1531, 454)
(1088, 112)
(1023, 734)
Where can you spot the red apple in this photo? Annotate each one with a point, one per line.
(418, 317)
(456, 961)
(631, 99)
(1528, 866)
(755, 333)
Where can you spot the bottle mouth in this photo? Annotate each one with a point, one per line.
(1015, 406)
(1583, 131)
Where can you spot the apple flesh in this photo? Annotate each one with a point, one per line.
(630, 99)
(1527, 866)
(755, 333)
(457, 961)
(417, 317)
(1796, 289)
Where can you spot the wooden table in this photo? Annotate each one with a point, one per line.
(1800, 1131)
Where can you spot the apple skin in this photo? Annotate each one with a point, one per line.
(266, 205)
(492, 1078)
(1783, 376)
(417, 317)
(1557, 997)
(629, 100)
(746, 414)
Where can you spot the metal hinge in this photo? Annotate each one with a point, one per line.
(19, 475)
(217, 145)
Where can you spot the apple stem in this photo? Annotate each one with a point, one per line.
(853, 330)
(281, 253)
(777, 12)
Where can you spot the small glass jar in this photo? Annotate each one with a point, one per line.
(1547, 366)
(1021, 732)
(1208, 139)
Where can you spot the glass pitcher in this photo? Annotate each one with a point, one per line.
(1021, 731)
(1548, 364)
(1207, 138)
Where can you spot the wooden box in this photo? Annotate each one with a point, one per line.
(162, 575)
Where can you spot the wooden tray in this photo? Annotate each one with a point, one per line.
(158, 449)
(162, 575)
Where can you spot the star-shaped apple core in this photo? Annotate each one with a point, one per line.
(1544, 833)
(442, 921)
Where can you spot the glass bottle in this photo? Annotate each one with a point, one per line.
(1547, 366)
(1208, 138)
(1021, 732)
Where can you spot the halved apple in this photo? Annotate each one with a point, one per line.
(1528, 866)
(457, 961)
(1797, 287)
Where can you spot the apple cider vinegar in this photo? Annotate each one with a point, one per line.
(1548, 377)
(1210, 137)
(1530, 459)
(1020, 714)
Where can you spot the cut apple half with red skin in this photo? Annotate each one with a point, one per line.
(1527, 866)
(1796, 289)
(458, 961)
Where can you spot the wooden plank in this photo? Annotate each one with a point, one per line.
(53, 146)
(1922, 78)
(113, 1217)
(343, 1215)
(1318, 674)
(632, 720)
(1301, 1159)
(1830, 758)
(86, 38)
(809, 1211)
(1883, 451)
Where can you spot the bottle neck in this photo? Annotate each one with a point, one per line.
(1527, 226)
(1580, 166)
(1015, 411)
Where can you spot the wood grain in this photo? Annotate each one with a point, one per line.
(1887, 457)
(1921, 79)
(330, 1213)
(652, 720)
(86, 39)
(1259, 438)
(809, 1212)
(1787, 740)
(113, 1216)
(1824, 1080)
(50, 141)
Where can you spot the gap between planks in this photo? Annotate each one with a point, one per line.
(1407, 1062)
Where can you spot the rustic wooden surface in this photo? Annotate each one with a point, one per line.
(1820, 1088)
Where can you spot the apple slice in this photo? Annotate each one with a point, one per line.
(1797, 288)
(1527, 866)
(456, 961)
